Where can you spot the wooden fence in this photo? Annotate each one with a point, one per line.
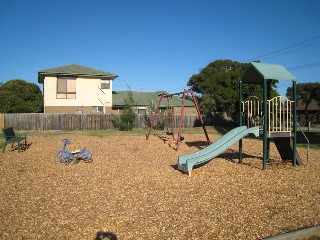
(1, 120)
(69, 122)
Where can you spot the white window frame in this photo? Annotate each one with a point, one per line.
(105, 84)
(97, 109)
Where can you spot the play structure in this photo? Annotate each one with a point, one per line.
(186, 162)
(271, 119)
(168, 97)
(64, 156)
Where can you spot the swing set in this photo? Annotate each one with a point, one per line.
(168, 97)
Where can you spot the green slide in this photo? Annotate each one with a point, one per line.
(186, 162)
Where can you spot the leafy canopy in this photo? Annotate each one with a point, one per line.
(217, 86)
(306, 92)
(20, 96)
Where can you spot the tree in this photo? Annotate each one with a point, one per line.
(125, 121)
(317, 93)
(306, 92)
(20, 96)
(163, 119)
(218, 87)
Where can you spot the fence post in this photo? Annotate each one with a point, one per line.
(1, 120)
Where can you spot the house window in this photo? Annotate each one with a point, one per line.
(141, 111)
(97, 109)
(105, 84)
(66, 87)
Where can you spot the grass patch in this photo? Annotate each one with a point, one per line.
(313, 136)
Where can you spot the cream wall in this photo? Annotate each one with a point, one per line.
(88, 93)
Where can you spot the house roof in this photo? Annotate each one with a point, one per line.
(313, 105)
(257, 72)
(74, 70)
(147, 98)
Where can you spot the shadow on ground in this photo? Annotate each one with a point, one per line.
(105, 235)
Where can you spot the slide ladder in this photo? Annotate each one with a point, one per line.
(186, 162)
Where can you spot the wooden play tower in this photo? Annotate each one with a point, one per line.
(276, 117)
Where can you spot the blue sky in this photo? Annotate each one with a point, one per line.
(156, 45)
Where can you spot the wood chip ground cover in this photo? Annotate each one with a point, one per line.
(133, 190)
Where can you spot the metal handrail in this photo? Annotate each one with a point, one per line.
(307, 142)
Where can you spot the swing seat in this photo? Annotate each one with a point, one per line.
(169, 133)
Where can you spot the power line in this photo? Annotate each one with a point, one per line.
(289, 48)
(310, 65)
(289, 51)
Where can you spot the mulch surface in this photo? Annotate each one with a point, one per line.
(133, 190)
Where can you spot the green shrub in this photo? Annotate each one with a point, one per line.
(125, 121)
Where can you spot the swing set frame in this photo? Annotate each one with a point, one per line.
(168, 97)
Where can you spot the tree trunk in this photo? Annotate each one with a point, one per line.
(306, 114)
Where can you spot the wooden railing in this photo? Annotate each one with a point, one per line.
(279, 113)
(252, 111)
(280, 117)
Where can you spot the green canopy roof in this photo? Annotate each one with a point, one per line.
(74, 70)
(146, 98)
(257, 72)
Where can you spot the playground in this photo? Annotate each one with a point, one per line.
(133, 190)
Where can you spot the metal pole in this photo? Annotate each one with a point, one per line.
(294, 162)
(154, 116)
(170, 116)
(181, 119)
(265, 125)
(240, 118)
(199, 115)
(268, 120)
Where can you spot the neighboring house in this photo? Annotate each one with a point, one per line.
(146, 102)
(75, 88)
(313, 112)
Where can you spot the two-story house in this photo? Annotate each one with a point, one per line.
(76, 89)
